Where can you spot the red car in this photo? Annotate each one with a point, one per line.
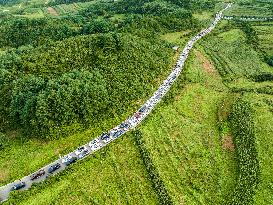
(137, 115)
(38, 174)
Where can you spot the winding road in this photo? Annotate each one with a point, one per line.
(104, 139)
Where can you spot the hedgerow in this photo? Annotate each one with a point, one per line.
(263, 77)
(263, 90)
(248, 171)
(158, 184)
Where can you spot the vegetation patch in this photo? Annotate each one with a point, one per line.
(206, 63)
(115, 66)
(248, 173)
(158, 184)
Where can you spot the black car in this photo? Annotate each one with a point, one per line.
(142, 109)
(38, 174)
(117, 133)
(54, 167)
(18, 186)
(124, 125)
(105, 137)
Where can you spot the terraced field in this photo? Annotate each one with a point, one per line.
(265, 35)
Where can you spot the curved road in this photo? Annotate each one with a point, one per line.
(101, 141)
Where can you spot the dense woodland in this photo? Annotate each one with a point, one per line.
(78, 68)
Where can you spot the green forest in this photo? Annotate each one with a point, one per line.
(70, 69)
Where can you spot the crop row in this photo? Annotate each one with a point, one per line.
(248, 171)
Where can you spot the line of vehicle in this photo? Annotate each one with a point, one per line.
(248, 18)
(104, 139)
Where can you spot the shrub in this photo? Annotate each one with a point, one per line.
(263, 77)
(154, 176)
(242, 125)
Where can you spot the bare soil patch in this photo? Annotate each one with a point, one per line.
(206, 63)
(227, 143)
(52, 11)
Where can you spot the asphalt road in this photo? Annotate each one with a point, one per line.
(130, 123)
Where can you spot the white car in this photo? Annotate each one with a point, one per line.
(81, 152)
(68, 159)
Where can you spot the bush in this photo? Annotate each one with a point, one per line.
(24, 100)
(270, 61)
(98, 26)
(15, 32)
(4, 141)
(77, 80)
(154, 176)
(263, 77)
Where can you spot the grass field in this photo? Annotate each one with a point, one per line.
(235, 59)
(241, 61)
(265, 36)
(115, 175)
(64, 9)
(184, 133)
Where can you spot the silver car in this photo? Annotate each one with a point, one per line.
(81, 152)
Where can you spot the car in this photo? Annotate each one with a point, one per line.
(170, 82)
(106, 138)
(81, 152)
(137, 115)
(117, 133)
(38, 174)
(173, 77)
(53, 168)
(68, 159)
(124, 125)
(95, 144)
(18, 186)
(142, 109)
(133, 121)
